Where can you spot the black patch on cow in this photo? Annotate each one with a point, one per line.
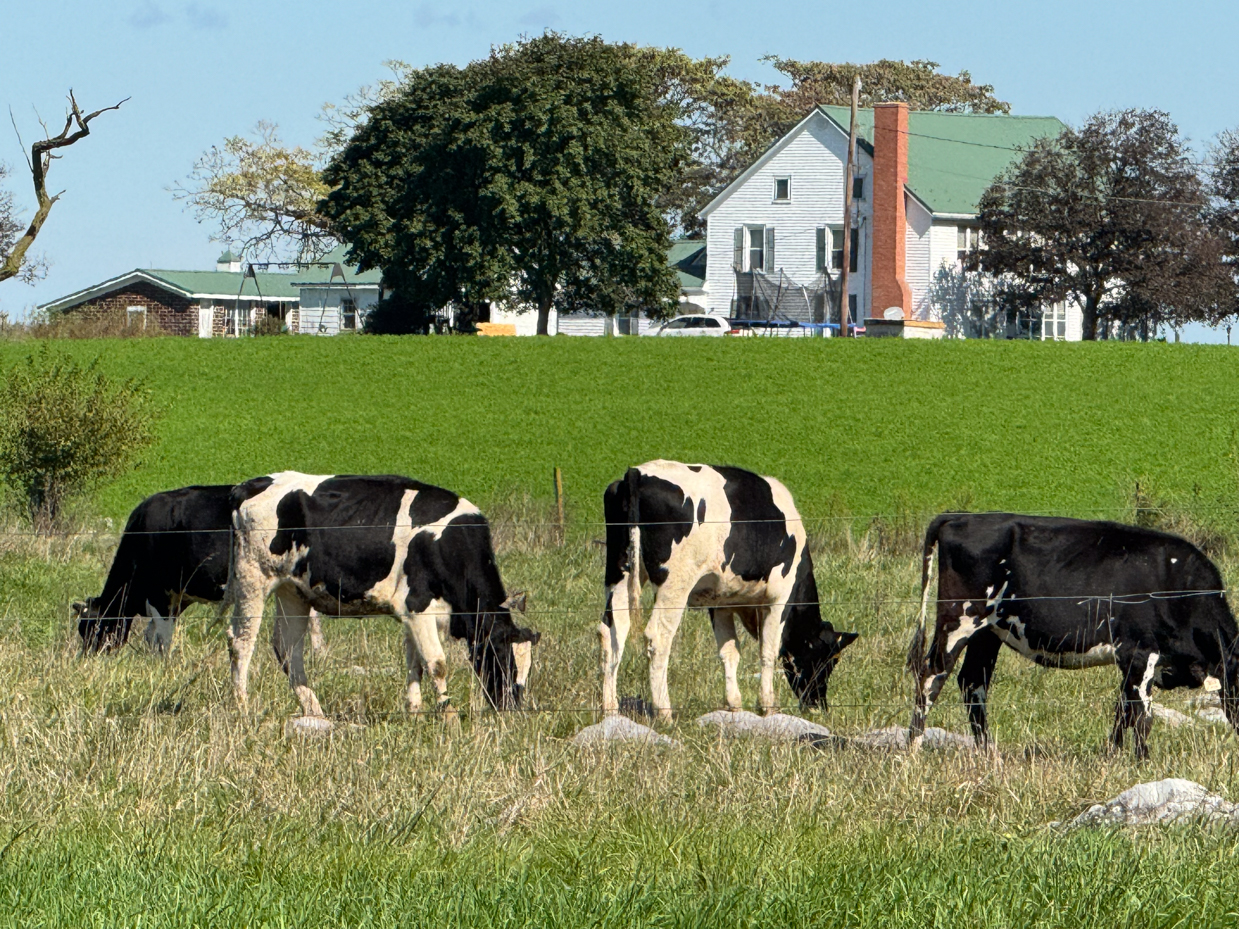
(701, 511)
(248, 489)
(666, 519)
(431, 504)
(174, 549)
(694, 468)
(759, 541)
(348, 525)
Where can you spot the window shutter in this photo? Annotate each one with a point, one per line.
(821, 250)
(854, 254)
(770, 265)
(737, 259)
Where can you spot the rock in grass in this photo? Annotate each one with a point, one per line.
(1173, 718)
(1213, 714)
(618, 728)
(1167, 801)
(897, 737)
(776, 726)
(308, 725)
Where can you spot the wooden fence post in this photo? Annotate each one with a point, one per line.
(559, 502)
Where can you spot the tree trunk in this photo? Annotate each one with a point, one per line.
(1089, 322)
(544, 316)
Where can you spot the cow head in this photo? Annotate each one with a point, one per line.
(100, 631)
(500, 650)
(809, 663)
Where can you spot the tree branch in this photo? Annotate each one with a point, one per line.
(77, 126)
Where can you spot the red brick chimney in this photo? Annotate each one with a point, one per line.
(890, 174)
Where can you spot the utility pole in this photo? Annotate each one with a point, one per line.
(847, 213)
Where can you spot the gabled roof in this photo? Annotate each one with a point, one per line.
(319, 273)
(954, 157)
(269, 285)
(688, 258)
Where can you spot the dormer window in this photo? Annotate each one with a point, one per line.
(782, 189)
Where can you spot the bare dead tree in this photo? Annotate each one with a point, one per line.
(42, 152)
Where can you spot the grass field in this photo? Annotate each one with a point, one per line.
(132, 792)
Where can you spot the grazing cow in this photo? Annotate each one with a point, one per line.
(174, 551)
(1070, 593)
(372, 545)
(727, 540)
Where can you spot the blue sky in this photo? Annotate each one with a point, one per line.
(199, 71)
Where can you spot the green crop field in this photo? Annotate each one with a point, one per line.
(133, 792)
(851, 427)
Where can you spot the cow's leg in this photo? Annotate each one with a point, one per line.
(424, 628)
(665, 616)
(292, 618)
(242, 636)
(1139, 667)
(980, 657)
(413, 664)
(724, 622)
(771, 620)
(958, 620)
(317, 643)
(613, 634)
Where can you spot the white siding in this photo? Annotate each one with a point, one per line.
(814, 160)
(320, 307)
(1075, 322)
(916, 259)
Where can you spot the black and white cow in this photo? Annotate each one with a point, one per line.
(727, 540)
(372, 545)
(1069, 593)
(173, 552)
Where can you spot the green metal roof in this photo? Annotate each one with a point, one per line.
(688, 257)
(228, 283)
(228, 257)
(953, 157)
(320, 272)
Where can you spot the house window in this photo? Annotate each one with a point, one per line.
(1054, 322)
(348, 313)
(967, 239)
(135, 317)
(237, 321)
(858, 188)
(836, 249)
(782, 189)
(757, 248)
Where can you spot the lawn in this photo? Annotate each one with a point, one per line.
(133, 793)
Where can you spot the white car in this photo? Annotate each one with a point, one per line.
(694, 325)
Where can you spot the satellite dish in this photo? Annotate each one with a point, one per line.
(892, 313)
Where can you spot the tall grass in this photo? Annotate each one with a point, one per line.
(133, 792)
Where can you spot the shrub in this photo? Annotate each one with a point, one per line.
(269, 325)
(110, 324)
(65, 429)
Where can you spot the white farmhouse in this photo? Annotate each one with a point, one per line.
(917, 183)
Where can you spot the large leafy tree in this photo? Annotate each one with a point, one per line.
(1113, 216)
(531, 176)
(256, 189)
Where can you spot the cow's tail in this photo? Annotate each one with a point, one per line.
(633, 479)
(916, 653)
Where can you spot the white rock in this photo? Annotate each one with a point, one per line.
(308, 725)
(1212, 684)
(1173, 718)
(1205, 699)
(616, 728)
(897, 737)
(1158, 802)
(776, 726)
(1213, 714)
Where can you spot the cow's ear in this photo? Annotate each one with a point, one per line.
(517, 600)
(845, 639)
(80, 607)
